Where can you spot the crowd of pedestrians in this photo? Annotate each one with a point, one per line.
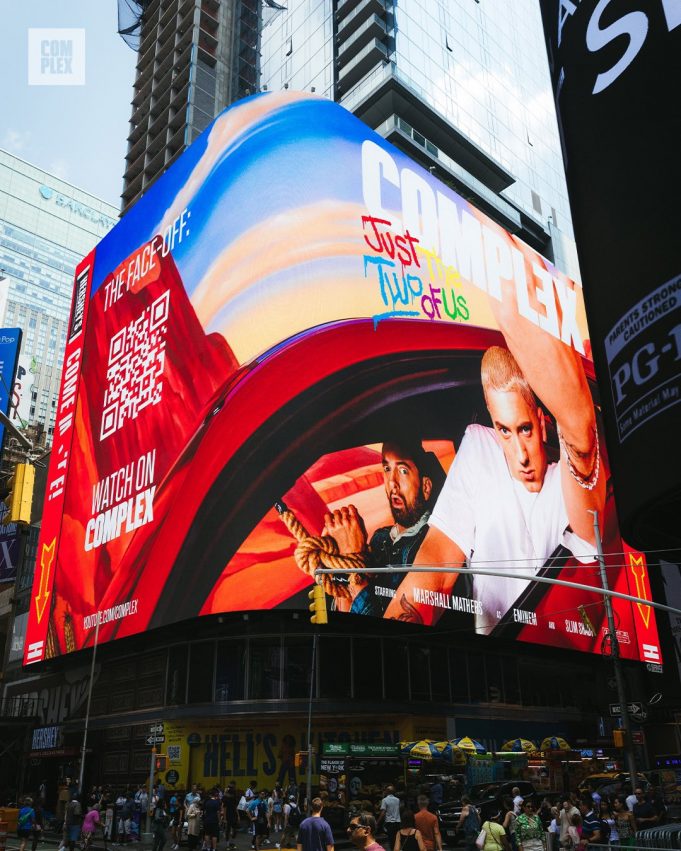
(202, 818)
(573, 825)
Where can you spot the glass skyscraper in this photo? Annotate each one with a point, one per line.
(46, 227)
(462, 85)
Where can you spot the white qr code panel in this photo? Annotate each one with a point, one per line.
(135, 368)
(174, 753)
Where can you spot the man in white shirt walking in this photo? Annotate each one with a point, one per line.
(390, 814)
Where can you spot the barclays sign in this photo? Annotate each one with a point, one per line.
(49, 194)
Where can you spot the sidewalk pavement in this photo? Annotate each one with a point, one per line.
(51, 841)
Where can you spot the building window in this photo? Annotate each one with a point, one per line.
(176, 684)
(201, 672)
(367, 673)
(419, 672)
(264, 669)
(395, 670)
(458, 668)
(335, 667)
(298, 665)
(230, 671)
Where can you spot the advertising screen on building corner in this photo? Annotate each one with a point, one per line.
(297, 318)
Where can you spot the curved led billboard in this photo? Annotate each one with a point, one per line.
(299, 334)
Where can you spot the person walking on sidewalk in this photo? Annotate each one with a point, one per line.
(408, 837)
(73, 822)
(230, 815)
(362, 832)
(193, 815)
(259, 813)
(90, 824)
(428, 824)
(211, 820)
(159, 823)
(495, 835)
(390, 815)
(293, 818)
(529, 830)
(314, 833)
(469, 823)
(38, 825)
(25, 823)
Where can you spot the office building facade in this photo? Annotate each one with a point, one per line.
(46, 227)
(462, 87)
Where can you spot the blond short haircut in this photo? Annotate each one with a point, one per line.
(500, 371)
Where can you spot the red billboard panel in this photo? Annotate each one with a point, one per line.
(300, 341)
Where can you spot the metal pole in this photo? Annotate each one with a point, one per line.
(504, 574)
(617, 662)
(151, 785)
(87, 710)
(309, 724)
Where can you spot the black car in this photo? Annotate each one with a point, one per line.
(488, 799)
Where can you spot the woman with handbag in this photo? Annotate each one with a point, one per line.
(494, 838)
(529, 831)
(408, 838)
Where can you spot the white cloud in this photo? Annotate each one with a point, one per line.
(15, 141)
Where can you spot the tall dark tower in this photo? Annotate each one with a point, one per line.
(194, 58)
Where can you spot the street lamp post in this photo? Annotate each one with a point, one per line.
(87, 710)
(315, 636)
(617, 662)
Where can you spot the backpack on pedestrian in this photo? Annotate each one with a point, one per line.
(295, 817)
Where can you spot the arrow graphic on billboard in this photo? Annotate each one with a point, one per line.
(638, 569)
(43, 595)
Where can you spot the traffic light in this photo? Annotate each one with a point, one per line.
(161, 762)
(318, 605)
(19, 494)
(618, 738)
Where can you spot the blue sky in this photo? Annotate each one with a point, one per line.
(76, 132)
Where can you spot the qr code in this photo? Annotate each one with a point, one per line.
(135, 369)
(174, 753)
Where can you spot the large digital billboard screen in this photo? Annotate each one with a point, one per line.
(297, 318)
(614, 68)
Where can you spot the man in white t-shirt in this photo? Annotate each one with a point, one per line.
(503, 503)
(390, 814)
